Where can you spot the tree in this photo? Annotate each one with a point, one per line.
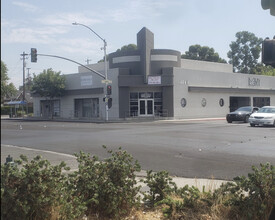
(7, 89)
(260, 69)
(198, 52)
(49, 84)
(125, 48)
(129, 47)
(245, 52)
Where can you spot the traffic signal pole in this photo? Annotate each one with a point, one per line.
(105, 61)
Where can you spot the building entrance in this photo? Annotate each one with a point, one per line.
(146, 107)
(145, 104)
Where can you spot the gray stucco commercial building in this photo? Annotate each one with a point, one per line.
(157, 83)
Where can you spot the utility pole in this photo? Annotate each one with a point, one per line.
(88, 61)
(28, 78)
(24, 65)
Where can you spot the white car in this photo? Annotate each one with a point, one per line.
(264, 116)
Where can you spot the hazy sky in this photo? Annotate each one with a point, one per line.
(176, 24)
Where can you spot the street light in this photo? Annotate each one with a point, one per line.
(104, 47)
(105, 63)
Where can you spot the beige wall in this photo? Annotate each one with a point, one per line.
(194, 85)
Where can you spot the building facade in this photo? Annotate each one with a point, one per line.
(157, 83)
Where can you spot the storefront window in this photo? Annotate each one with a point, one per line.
(56, 108)
(261, 101)
(87, 108)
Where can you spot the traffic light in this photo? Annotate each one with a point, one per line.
(109, 103)
(33, 55)
(109, 90)
(269, 4)
(268, 52)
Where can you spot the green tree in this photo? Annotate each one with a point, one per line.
(198, 52)
(261, 69)
(245, 52)
(125, 48)
(49, 84)
(129, 47)
(7, 89)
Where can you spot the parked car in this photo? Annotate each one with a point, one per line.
(265, 116)
(241, 114)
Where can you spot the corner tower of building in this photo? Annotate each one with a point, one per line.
(145, 43)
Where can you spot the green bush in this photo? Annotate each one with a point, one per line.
(251, 197)
(184, 201)
(5, 110)
(160, 184)
(248, 198)
(20, 113)
(108, 188)
(37, 191)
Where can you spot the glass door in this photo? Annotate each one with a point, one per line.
(150, 106)
(146, 107)
(142, 107)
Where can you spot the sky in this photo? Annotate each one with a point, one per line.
(176, 24)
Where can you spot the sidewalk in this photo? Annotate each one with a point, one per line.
(55, 158)
(122, 120)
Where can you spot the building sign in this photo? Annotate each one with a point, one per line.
(254, 81)
(154, 80)
(86, 80)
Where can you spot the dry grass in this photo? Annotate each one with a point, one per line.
(200, 212)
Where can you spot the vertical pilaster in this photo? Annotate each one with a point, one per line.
(145, 43)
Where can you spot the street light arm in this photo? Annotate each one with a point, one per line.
(75, 23)
(104, 41)
(105, 61)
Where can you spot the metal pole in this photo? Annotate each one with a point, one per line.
(105, 62)
(106, 77)
(24, 65)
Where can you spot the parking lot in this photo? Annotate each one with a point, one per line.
(202, 149)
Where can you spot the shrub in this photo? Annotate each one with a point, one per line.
(187, 203)
(5, 110)
(36, 191)
(160, 184)
(108, 187)
(251, 197)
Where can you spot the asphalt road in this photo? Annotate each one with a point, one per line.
(202, 149)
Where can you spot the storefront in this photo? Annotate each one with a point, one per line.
(157, 83)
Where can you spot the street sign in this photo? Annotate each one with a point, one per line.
(105, 99)
(106, 81)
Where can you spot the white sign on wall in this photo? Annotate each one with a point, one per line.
(154, 80)
(86, 80)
